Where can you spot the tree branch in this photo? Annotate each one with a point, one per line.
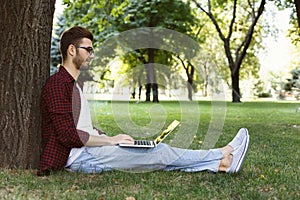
(250, 32)
(182, 62)
(232, 20)
(210, 15)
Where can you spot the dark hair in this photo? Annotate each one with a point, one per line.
(73, 36)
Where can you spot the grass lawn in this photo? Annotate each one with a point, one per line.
(271, 170)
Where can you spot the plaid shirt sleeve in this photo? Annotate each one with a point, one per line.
(64, 113)
(60, 114)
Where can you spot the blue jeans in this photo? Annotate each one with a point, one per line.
(162, 157)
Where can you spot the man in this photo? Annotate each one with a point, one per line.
(71, 142)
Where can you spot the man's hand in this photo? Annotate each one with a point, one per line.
(122, 138)
(104, 140)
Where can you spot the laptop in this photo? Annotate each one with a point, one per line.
(159, 139)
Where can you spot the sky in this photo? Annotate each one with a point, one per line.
(279, 50)
(59, 7)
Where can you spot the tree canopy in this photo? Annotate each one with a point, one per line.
(236, 23)
(127, 15)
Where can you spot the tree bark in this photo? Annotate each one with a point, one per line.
(150, 71)
(151, 78)
(297, 4)
(236, 95)
(205, 84)
(190, 74)
(25, 37)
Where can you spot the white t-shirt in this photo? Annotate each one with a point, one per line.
(84, 124)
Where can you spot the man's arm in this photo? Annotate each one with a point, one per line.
(104, 140)
(67, 134)
(63, 102)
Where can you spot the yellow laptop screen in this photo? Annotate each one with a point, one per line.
(166, 132)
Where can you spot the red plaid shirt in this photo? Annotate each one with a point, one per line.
(60, 113)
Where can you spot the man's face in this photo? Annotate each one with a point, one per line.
(84, 54)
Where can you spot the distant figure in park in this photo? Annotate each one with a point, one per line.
(71, 142)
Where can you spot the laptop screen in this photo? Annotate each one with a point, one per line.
(166, 132)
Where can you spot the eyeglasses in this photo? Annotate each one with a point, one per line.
(89, 49)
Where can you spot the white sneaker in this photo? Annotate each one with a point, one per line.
(239, 155)
(238, 139)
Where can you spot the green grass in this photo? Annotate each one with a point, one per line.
(271, 170)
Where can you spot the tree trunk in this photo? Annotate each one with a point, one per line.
(148, 91)
(140, 83)
(25, 38)
(190, 90)
(190, 71)
(297, 4)
(151, 77)
(205, 84)
(236, 96)
(190, 75)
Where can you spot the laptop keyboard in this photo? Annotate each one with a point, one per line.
(142, 142)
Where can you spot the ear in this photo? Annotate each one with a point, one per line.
(72, 50)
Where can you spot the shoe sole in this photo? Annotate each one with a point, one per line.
(245, 151)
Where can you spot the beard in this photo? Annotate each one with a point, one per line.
(81, 63)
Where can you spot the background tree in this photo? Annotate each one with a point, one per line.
(25, 36)
(294, 6)
(119, 16)
(241, 12)
(172, 14)
(97, 16)
(294, 32)
(190, 71)
(58, 29)
(291, 85)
